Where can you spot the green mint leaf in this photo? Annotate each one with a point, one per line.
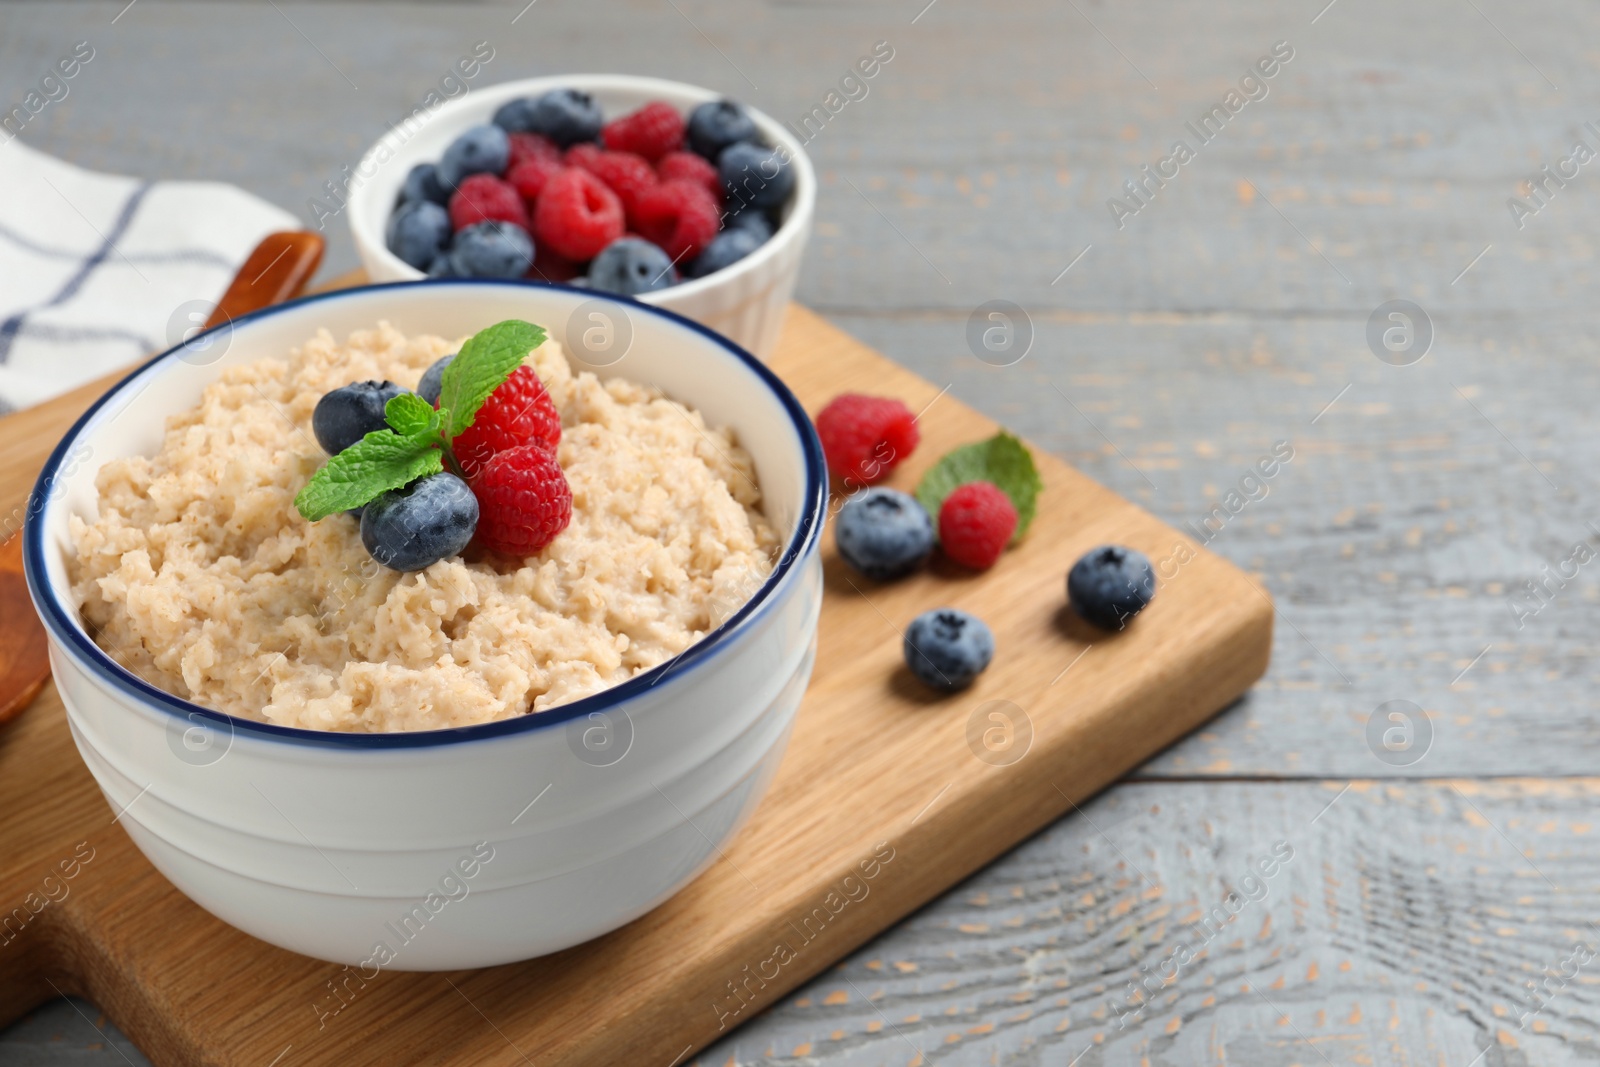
(486, 360)
(380, 461)
(411, 416)
(1002, 459)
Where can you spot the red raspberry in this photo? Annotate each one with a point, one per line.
(524, 501)
(865, 437)
(518, 412)
(679, 216)
(582, 154)
(624, 173)
(976, 523)
(577, 215)
(485, 198)
(652, 131)
(549, 267)
(526, 146)
(688, 167)
(530, 176)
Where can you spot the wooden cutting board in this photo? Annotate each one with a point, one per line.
(888, 795)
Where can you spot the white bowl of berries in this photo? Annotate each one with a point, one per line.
(640, 187)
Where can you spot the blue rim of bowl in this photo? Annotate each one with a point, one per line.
(70, 632)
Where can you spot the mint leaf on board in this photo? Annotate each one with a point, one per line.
(411, 416)
(1002, 459)
(486, 360)
(380, 461)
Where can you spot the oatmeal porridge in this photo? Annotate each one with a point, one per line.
(199, 575)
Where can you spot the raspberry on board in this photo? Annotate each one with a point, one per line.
(485, 198)
(576, 215)
(519, 412)
(524, 501)
(865, 437)
(679, 216)
(976, 522)
(652, 131)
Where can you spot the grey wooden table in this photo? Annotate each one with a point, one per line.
(1439, 903)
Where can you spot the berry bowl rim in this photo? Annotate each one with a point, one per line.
(363, 204)
(71, 638)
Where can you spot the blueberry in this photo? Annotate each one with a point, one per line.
(749, 218)
(631, 265)
(1110, 585)
(725, 249)
(566, 116)
(947, 648)
(350, 412)
(440, 267)
(883, 533)
(432, 382)
(422, 183)
(516, 116)
(492, 249)
(408, 529)
(755, 176)
(480, 150)
(718, 124)
(417, 231)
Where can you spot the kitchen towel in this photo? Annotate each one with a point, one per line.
(98, 271)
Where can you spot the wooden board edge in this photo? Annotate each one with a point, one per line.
(981, 828)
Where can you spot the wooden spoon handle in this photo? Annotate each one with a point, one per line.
(276, 271)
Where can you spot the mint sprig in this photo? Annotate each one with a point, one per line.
(1002, 459)
(417, 442)
(380, 461)
(412, 416)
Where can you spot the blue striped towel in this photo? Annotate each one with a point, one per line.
(99, 270)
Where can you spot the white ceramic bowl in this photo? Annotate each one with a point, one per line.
(591, 814)
(746, 301)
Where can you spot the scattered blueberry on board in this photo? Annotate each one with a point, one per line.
(700, 192)
(947, 649)
(883, 533)
(1110, 585)
(350, 412)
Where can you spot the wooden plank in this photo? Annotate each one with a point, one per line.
(941, 804)
(1407, 928)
